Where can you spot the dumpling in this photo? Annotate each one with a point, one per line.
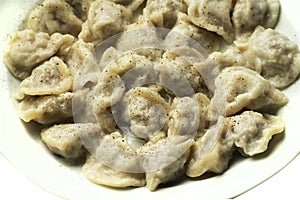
(179, 75)
(105, 19)
(203, 103)
(252, 131)
(111, 87)
(116, 152)
(139, 36)
(27, 49)
(236, 55)
(80, 7)
(211, 152)
(172, 172)
(80, 57)
(164, 160)
(54, 16)
(101, 174)
(273, 12)
(211, 67)
(82, 106)
(82, 63)
(107, 92)
(163, 13)
(247, 14)
(131, 4)
(184, 117)
(186, 33)
(46, 109)
(213, 15)
(278, 56)
(145, 111)
(267, 52)
(52, 77)
(238, 88)
(67, 139)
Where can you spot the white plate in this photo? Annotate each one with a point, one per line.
(23, 148)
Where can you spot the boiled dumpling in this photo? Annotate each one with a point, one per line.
(82, 63)
(249, 131)
(273, 12)
(67, 139)
(163, 13)
(27, 49)
(80, 55)
(164, 160)
(167, 174)
(203, 103)
(252, 131)
(211, 152)
(116, 152)
(54, 16)
(139, 36)
(52, 77)
(186, 33)
(184, 117)
(46, 109)
(267, 52)
(247, 14)
(105, 19)
(111, 86)
(278, 56)
(213, 15)
(131, 4)
(80, 7)
(101, 174)
(179, 75)
(145, 111)
(238, 88)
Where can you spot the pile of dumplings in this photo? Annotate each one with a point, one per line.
(151, 107)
